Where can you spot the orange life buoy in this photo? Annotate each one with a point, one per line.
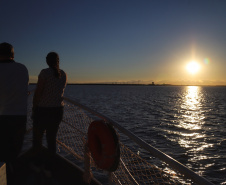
(103, 145)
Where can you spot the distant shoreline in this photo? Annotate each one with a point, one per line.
(122, 84)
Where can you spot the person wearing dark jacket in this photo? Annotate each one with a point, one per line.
(13, 106)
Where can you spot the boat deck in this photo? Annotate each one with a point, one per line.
(64, 172)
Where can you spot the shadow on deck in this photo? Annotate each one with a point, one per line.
(63, 172)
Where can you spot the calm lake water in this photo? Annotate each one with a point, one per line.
(185, 122)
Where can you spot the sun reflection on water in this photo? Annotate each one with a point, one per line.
(191, 121)
(192, 98)
(192, 114)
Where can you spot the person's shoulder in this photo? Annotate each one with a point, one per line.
(47, 69)
(21, 66)
(63, 73)
(44, 72)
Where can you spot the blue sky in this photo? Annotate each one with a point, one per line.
(120, 40)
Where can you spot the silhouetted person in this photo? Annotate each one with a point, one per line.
(48, 104)
(13, 106)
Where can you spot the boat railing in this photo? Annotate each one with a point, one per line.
(133, 168)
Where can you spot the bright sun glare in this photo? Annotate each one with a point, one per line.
(193, 67)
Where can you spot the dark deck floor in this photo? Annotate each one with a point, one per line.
(63, 173)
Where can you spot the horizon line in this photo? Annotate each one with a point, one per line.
(131, 84)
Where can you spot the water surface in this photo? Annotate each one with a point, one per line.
(186, 122)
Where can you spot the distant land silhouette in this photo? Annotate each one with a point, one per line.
(134, 84)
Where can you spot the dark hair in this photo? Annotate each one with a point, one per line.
(52, 59)
(6, 50)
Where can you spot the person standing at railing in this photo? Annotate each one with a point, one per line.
(13, 107)
(48, 104)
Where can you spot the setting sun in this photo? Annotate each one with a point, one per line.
(193, 67)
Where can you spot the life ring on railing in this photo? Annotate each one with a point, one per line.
(104, 145)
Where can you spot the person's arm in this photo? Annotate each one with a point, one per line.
(38, 91)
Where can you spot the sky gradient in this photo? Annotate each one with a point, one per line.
(120, 40)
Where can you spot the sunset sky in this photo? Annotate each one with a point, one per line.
(120, 40)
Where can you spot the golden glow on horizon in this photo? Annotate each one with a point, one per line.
(193, 67)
